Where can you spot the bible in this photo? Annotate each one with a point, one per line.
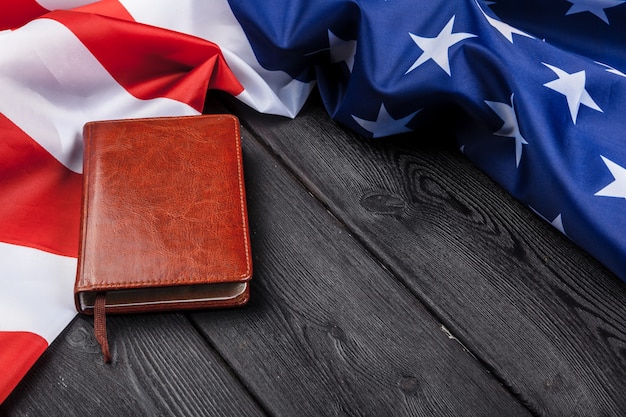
(164, 223)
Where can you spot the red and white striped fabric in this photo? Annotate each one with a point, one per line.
(66, 62)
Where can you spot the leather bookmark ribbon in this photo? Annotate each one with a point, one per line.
(100, 326)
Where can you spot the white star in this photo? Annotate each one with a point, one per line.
(506, 30)
(510, 128)
(593, 6)
(557, 222)
(611, 69)
(341, 50)
(385, 125)
(618, 187)
(572, 86)
(437, 48)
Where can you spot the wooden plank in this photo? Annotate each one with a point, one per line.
(161, 366)
(544, 317)
(329, 331)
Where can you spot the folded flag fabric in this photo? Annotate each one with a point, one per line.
(538, 84)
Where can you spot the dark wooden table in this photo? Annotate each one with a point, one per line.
(392, 278)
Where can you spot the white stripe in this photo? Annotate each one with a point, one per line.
(51, 86)
(37, 291)
(62, 4)
(272, 92)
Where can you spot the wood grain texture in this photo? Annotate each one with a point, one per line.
(329, 331)
(391, 278)
(544, 317)
(161, 367)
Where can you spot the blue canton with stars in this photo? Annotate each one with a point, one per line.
(541, 83)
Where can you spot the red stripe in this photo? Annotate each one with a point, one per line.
(15, 13)
(39, 196)
(151, 62)
(19, 351)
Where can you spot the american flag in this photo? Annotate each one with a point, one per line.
(539, 82)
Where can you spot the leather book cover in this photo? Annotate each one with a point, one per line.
(164, 223)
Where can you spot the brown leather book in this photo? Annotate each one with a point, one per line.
(164, 224)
